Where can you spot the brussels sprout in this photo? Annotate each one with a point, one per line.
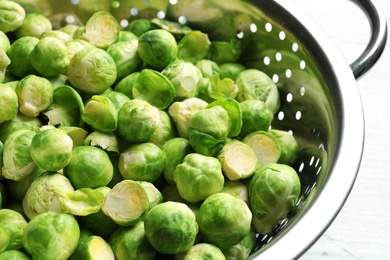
(51, 149)
(202, 251)
(100, 113)
(51, 236)
(35, 95)
(208, 68)
(255, 116)
(238, 160)
(77, 134)
(12, 16)
(4, 239)
(171, 227)
(198, 177)
(217, 218)
(194, 46)
(105, 141)
(77, 45)
(101, 29)
(131, 243)
(182, 111)
(255, 84)
(265, 147)
(8, 103)
(219, 89)
(233, 109)
(17, 160)
(165, 130)
(34, 25)
(14, 255)
(154, 195)
(137, 121)
(273, 193)
(225, 51)
(66, 108)
(14, 224)
(143, 162)
(19, 54)
(126, 36)
(237, 189)
(231, 70)
(5, 43)
(208, 130)
(127, 203)
(185, 77)
(289, 146)
(92, 71)
(126, 84)
(174, 150)
(242, 250)
(157, 48)
(126, 57)
(155, 88)
(139, 26)
(91, 247)
(49, 57)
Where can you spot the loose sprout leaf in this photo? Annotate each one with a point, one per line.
(83, 201)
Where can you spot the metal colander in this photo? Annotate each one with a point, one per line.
(320, 102)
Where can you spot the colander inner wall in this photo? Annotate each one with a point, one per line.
(275, 44)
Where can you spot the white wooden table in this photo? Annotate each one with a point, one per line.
(362, 228)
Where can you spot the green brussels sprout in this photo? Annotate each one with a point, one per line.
(289, 146)
(234, 111)
(12, 16)
(198, 177)
(100, 113)
(5, 43)
(157, 48)
(255, 84)
(142, 162)
(237, 189)
(131, 243)
(89, 167)
(34, 25)
(92, 247)
(231, 70)
(208, 130)
(165, 130)
(77, 45)
(53, 192)
(217, 218)
(126, 203)
(35, 95)
(8, 103)
(104, 140)
(19, 54)
(17, 160)
(126, 84)
(60, 35)
(139, 26)
(225, 51)
(154, 195)
(174, 150)
(202, 251)
(208, 68)
(194, 46)
(50, 57)
(51, 236)
(265, 147)
(182, 111)
(66, 108)
(14, 255)
(185, 77)
(242, 250)
(14, 224)
(171, 227)
(77, 134)
(255, 116)
(154, 87)
(238, 160)
(101, 29)
(92, 70)
(124, 36)
(51, 149)
(137, 121)
(126, 57)
(273, 193)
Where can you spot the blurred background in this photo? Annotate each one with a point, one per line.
(361, 230)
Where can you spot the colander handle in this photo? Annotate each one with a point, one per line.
(377, 41)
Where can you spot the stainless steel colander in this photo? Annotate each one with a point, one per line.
(320, 102)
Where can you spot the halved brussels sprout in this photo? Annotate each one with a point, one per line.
(14, 224)
(100, 113)
(12, 16)
(34, 25)
(8, 103)
(126, 57)
(218, 220)
(92, 247)
(171, 227)
(198, 177)
(202, 251)
(19, 54)
(194, 46)
(273, 193)
(51, 236)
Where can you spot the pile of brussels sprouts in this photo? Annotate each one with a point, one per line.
(135, 142)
